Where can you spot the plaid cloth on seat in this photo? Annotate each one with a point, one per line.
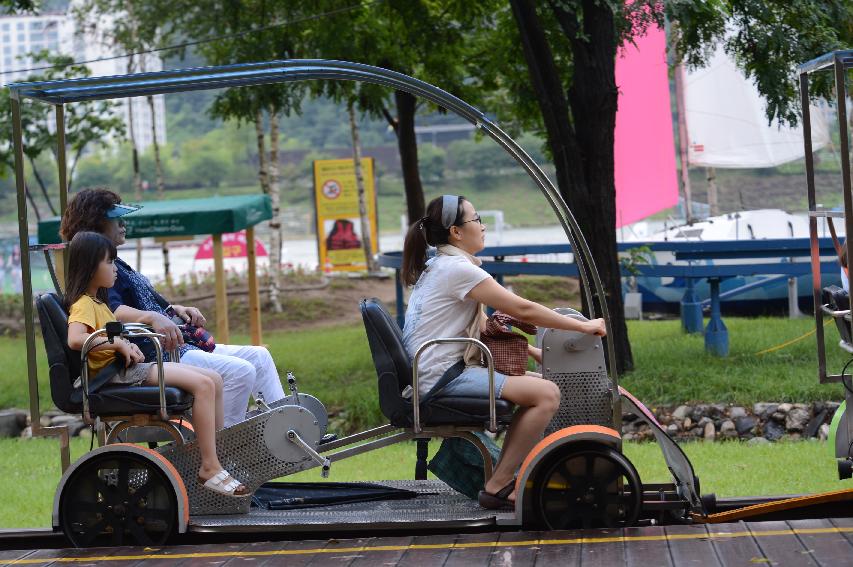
(509, 349)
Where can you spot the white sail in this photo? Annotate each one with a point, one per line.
(727, 125)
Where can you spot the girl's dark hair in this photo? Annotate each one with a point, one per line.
(87, 211)
(424, 232)
(85, 253)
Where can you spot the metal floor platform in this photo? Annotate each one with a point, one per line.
(826, 542)
(437, 506)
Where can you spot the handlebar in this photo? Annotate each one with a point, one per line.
(129, 330)
(493, 421)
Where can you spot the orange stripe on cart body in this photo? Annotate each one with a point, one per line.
(182, 489)
(611, 436)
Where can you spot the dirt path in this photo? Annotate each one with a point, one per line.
(305, 306)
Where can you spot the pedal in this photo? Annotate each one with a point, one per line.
(324, 462)
(259, 401)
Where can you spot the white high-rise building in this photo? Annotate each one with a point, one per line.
(21, 36)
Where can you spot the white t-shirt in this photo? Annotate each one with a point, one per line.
(438, 308)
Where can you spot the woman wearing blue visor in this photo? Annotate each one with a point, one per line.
(245, 369)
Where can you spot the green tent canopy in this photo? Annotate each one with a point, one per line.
(183, 217)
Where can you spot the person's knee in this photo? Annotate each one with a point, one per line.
(216, 377)
(550, 397)
(240, 371)
(205, 386)
(263, 355)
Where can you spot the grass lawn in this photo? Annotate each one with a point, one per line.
(728, 469)
(334, 365)
(672, 367)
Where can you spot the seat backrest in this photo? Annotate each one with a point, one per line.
(64, 362)
(839, 300)
(393, 366)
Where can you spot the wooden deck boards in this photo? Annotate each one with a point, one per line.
(813, 543)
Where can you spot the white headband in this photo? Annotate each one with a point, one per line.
(449, 210)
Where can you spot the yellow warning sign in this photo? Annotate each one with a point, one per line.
(338, 226)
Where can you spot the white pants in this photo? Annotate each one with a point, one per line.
(245, 370)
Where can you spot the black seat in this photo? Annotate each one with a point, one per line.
(394, 371)
(839, 300)
(109, 400)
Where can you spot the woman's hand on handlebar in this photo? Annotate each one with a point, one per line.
(596, 327)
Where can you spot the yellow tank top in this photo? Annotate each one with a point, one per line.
(95, 315)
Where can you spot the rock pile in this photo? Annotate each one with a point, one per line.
(761, 423)
(16, 422)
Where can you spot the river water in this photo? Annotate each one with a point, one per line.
(302, 253)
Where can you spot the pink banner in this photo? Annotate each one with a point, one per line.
(646, 177)
(234, 245)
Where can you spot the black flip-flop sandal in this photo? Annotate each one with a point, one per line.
(499, 499)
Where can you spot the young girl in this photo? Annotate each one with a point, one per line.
(90, 272)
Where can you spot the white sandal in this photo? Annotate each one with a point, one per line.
(223, 483)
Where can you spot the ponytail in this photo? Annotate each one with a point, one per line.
(414, 252)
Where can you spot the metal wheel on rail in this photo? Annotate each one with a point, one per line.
(118, 498)
(586, 487)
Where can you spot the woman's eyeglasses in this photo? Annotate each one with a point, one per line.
(475, 219)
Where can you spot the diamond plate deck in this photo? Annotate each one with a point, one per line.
(437, 505)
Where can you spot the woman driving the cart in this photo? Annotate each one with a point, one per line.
(449, 291)
(245, 369)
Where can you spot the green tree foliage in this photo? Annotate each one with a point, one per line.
(767, 38)
(18, 6)
(422, 38)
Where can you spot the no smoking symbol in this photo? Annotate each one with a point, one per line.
(331, 189)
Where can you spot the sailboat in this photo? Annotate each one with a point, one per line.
(722, 124)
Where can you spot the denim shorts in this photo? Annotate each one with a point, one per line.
(473, 383)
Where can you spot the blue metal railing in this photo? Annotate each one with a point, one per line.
(777, 257)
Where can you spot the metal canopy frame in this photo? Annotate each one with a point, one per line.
(60, 93)
(840, 62)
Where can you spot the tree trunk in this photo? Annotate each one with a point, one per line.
(683, 166)
(73, 168)
(407, 144)
(583, 146)
(42, 186)
(263, 179)
(32, 203)
(137, 177)
(275, 221)
(366, 244)
(158, 163)
(161, 187)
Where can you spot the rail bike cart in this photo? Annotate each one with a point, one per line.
(832, 301)
(123, 493)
